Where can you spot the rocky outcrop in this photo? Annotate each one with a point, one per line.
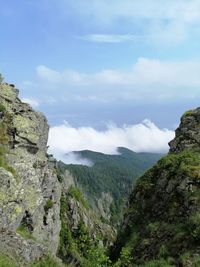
(104, 205)
(29, 191)
(20, 249)
(162, 222)
(188, 133)
(42, 211)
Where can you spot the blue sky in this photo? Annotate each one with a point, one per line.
(99, 62)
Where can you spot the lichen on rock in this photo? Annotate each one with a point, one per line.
(23, 200)
(31, 206)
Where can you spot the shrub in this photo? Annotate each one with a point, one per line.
(125, 256)
(48, 205)
(96, 256)
(24, 231)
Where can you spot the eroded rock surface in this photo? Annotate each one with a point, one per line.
(29, 191)
(188, 133)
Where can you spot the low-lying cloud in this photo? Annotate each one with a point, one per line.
(142, 137)
(75, 158)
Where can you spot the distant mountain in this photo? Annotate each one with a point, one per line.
(109, 181)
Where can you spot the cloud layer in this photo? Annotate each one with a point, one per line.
(146, 77)
(166, 22)
(74, 158)
(184, 10)
(143, 137)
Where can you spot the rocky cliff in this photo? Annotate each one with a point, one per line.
(30, 191)
(42, 212)
(162, 223)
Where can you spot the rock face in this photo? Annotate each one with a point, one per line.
(162, 221)
(42, 211)
(29, 191)
(188, 133)
(104, 204)
(78, 211)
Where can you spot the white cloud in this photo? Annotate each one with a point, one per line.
(110, 38)
(75, 158)
(108, 11)
(143, 137)
(33, 102)
(146, 81)
(56, 77)
(145, 73)
(166, 22)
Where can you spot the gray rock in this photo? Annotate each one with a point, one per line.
(188, 133)
(25, 193)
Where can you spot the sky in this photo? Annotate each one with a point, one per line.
(104, 64)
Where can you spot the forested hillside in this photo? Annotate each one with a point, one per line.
(107, 184)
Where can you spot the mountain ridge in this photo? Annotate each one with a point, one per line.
(109, 179)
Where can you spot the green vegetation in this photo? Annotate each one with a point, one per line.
(24, 231)
(159, 263)
(125, 258)
(187, 163)
(190, 259)
(165, 214)
(77, 246)
(188, 113)
(48, 205)
(115, 174)
(6, 261)
(78, 195)
(96, 257)
(67, 247)
(49, 261)
(2, 108)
